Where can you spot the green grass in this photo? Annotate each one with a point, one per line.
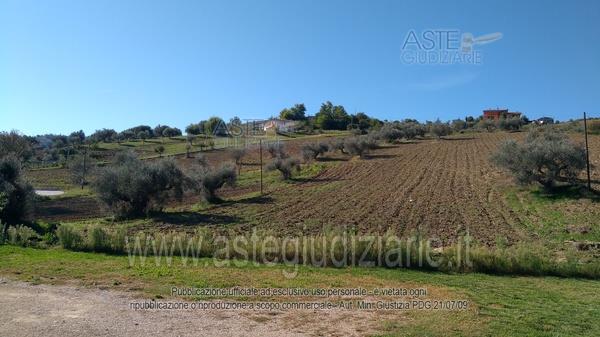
(549, 216)
(501, 306)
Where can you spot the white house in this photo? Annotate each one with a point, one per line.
(281, 125)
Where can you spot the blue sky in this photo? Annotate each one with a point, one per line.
(70, 65)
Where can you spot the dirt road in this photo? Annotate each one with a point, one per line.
(45, 310)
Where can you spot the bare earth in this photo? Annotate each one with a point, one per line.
(47, 310)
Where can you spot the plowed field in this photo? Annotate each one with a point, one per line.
(440, 188)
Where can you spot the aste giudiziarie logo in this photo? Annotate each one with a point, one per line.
(444, 46)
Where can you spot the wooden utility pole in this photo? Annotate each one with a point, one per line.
(587, 152)
(84, 166)
(261, 166)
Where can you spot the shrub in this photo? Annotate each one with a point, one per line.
(69, 238)
(286, 166)
(310, 151)
(238, 154)
(546, 156)
(160, 150)
(131, 187)
(16, 195)
(23, 236)
(208, 181)
(99, 240)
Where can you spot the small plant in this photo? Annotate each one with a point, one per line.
(286, 166)
(160, 150)
(23, 236)
(238, 155)
(311, 151)
(188, 149)
(99, 240)
(69, 238)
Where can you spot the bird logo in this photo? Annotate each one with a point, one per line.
(468, 41)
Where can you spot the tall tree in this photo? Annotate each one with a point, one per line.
(332, 117)
(295, 113)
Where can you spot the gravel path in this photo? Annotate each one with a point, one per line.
(46, 310)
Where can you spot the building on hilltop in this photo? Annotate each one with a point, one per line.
(497, 114)
(280, 125)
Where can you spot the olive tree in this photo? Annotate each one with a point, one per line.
(286, 166)
(16, 195)
(546, 157)
(207, 180)
(360, 145)
(132, 187)
(310, 151)
(238, 155)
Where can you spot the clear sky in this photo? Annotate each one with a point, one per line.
(70, 65)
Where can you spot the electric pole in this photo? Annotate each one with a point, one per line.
(587, 152)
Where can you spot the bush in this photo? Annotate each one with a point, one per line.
(16, 195)
(99, 240)
(546, 156)
(238, 154)
(207, 181)
(69, 238)
(310, 151)
(23, 236)
(286, 166)
(131, 187)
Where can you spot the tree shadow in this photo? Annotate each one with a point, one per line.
(194, 218)
(567, 192)
(329, 159)
(458, 139)
(380, 156)
(312, 180)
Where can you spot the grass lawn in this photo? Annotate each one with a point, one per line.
(499, 306)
